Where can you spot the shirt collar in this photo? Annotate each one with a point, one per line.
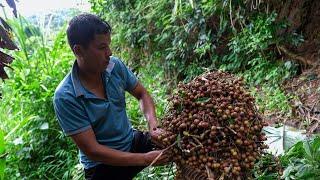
(110, 66)
(78, 88)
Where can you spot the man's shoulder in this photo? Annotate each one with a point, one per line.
(119, 66)
(118, 63)
(65, 88)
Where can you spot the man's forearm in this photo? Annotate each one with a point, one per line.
(117, 158)
(147, 106)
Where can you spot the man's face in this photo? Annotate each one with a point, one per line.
(97, 55)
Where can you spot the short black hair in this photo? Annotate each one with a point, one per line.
(82, 29)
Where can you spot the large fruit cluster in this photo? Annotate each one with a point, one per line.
(212, 127)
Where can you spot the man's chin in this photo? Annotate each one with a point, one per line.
(105, 65)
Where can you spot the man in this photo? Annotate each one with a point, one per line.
(90, 106)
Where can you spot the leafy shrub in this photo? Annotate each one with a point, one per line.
(270, 98)
(37, 148)
(250, 52)
(302, 161)
(171, 34)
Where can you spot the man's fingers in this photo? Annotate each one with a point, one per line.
(163, 159)
(157, 142)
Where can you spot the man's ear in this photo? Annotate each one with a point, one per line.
(78, 50)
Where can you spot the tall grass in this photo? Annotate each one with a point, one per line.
(37, 148)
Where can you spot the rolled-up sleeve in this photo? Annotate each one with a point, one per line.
(71, 115)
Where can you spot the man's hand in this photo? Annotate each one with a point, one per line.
(155, 133)
(158, 158)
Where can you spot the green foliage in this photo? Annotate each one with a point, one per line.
(270, 98)
(184, 36)
(187, 38)
(159, 172)
(164, 42)
(38, 149)
(250, 52)
(267, 168)
(302, 161)
(152, 80)
(2, 155)
(172, 34)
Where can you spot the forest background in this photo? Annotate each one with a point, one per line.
(273, 45)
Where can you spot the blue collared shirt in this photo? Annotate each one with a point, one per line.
(77, 109)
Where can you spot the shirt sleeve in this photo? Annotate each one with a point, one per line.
(130, 80)
(71, 116)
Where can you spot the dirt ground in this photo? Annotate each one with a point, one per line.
(306, 105)
(305, 89)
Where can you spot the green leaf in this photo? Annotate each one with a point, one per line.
(2, 167)
(1, 142)
(287, 171)
(231, 120)
(316, 149)
(296, 150)
(288, 64)
(308, 150)
(305, 171)
(203, 99)
(179, 141)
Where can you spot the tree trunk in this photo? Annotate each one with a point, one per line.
(303, 17)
